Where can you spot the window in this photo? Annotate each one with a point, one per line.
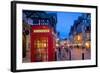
(41, 49)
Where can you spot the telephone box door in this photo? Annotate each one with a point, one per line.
(42, 48)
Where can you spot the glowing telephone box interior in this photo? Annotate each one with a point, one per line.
(41, 49)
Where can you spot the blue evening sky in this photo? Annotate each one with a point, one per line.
(64, 22)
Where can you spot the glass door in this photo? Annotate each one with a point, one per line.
(41, 49)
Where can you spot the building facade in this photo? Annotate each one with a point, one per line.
(80, 37)
(80, 32)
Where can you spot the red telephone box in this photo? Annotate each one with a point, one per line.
(42, 44)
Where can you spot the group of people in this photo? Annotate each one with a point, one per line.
(63, 53)
(72, 53)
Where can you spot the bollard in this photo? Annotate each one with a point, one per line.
(82, 56)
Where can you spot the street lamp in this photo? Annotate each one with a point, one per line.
(57, 45)
(87, 44)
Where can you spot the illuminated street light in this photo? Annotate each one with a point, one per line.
(57, 45)
(87, 44)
